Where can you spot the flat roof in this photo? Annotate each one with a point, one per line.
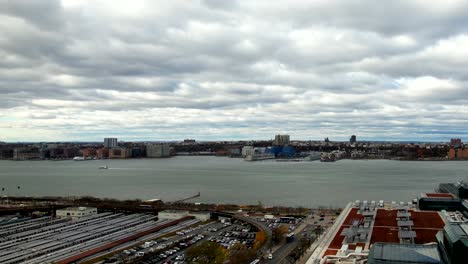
(386, 228)
(80, 208)
(174, 211)
(403, 253)
(438, 195)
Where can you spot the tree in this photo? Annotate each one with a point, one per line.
(278, 233)
(206, 253)
(239, 254)
(260, 239)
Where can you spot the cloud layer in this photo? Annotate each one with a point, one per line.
(168, 70)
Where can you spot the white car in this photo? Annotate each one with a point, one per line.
(270, 256)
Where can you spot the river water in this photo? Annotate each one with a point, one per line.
(227, 180)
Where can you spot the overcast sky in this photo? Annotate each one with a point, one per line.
(169, 70)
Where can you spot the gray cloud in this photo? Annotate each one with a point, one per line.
(237, 69)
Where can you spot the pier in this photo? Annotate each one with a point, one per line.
(188, 198)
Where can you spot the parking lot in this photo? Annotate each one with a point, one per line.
(155, 251)
(172, 250)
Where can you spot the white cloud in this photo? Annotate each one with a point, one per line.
(170, 70)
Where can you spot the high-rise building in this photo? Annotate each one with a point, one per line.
(353, 139)
(281, 140)
(110, 142)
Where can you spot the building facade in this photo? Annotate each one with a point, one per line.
(172, 214)
(75, 212)
(102, 153)
(281, 140)
(455, 142)
(26, 153)
(88, 152)
(457, 153)
(110, 142)
(157, 150)
(119, 153)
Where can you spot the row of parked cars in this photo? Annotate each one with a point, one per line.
(168, 251)
(236, 235)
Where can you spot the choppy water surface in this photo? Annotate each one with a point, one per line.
(226, 180)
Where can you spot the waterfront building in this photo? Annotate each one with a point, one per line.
(281, 140)
(138, 152)
(457, 153)
(157, 150)
(88, 152)
(459, 189)
(69, 153)
(56, 153)
(119, 153)
(110, 142)
(102, 153)
(439, 201)
(75, 212)
(247, 150)
(7, 153)
(26, 153)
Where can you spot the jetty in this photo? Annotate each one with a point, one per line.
(188, 198)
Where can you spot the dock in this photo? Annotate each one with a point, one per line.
(188, 198)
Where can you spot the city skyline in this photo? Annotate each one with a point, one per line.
(237, 70)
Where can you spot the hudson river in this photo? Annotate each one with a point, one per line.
(226, 180)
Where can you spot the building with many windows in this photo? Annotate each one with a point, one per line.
(281, 140)
(119, 153)
(76, 212)
(110, 142)
(157, 150)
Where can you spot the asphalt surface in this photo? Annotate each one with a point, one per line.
(309, 224)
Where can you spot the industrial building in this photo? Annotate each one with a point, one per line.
(459, 189)
(177, 214)
(172, 214)
(440, 201)
(391, 253)
(76, 212)
(453, 240)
